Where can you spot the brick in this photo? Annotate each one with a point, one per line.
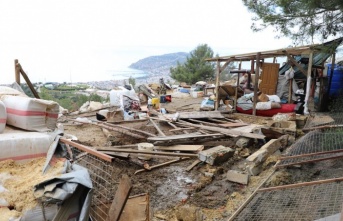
(237, 177)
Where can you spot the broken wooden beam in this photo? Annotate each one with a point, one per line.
(182, 136)
(87, 149)
(120, 198)
(113, 129)
(197, 115)
(195, 162)
(229, 132)
(129, 128)
(157, 128)
(160, 165)
(149, 152)
(189, 148)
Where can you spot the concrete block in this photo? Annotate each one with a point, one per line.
(237, 177)
(265, 151)
(254, 169)
(216, 155)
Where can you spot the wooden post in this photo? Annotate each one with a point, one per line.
(28, 81)
(308, 83)
(274, 60)
(17, 71)
(257, 76)
(331, 73)
(290, 90)
(217, 86)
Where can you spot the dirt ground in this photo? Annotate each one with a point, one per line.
(176, 194)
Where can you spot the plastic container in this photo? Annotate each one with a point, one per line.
(168, 98)
(3, 116)
(163, 99)
(337, 79)
(155, 102)
(145, 147)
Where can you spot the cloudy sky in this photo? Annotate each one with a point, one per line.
(81, 40)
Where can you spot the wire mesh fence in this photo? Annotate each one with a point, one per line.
(324, 119)
(314, 146)
(308, 202)
(104, 185)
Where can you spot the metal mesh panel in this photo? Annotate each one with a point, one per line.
(104, 186)
(315, 146)
(298, 203)
(320, 119)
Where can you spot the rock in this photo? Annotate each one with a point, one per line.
(245, 152)
(216, 155)
(254, 169)
(237, 177)
(243, 142)
(187, 213)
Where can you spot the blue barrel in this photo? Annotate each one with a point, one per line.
(337, 79)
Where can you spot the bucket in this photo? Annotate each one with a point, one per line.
(155, 102)
(3, 116)
(145, 147)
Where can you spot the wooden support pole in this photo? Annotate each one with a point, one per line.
(216, 103)
(17, 71)
(308, 83)
(33, 90)
(290, 81)
(333, 61)
(88, 150)
(257, 74)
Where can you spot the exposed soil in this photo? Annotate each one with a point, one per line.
(202, 193)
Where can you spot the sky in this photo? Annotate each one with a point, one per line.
(83, 40)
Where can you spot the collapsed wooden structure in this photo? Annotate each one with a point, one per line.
(257, 60)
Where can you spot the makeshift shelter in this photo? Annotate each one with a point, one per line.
(303, 59)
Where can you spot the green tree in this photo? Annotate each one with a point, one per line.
(301, 20)
(132, 81)
(196, 68)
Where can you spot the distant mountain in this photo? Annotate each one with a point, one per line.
(160, 64)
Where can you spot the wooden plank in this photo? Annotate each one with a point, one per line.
(190, 167)
(160, 165)
(229, 132)
(120, 198)
(182, 136)
(238, 124)
(196, 115)
(149, 152)
(157, 128)
(123, 155)
(88, 150)
(192, 148)
(136, 208)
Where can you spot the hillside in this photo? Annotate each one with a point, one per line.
(160, 64)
